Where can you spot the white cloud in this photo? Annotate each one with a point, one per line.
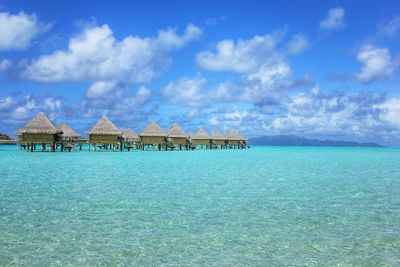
(186, 90)
(101, 89)
(115, 99)
(390, 111)
(298, 44)
(333, 20)
(267, 81)
(242, 56)
(239, 118)
(6, 103)
(169, 40)
(114, 95)
(5, 64)
(18, 31)
(95, 55)
(17, 110)
(391, 28)
(265, 85)
(265, 73)
(314, 113)
(376, 64)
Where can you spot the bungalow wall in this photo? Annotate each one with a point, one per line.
(39, 138)
(179, 140)
(219, 142)
(233, 142)
(202, 141)
(151, 140)
(103, 138)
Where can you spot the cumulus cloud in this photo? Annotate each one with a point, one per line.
(333, 20)
(186, 90)
(16, 110)
(267, 83)
(115, 99)
(390, 111)
(242, 56)
(95, 54)
(261, 62)
(244, 119)
(229, 118)
(376, 63)
(265, 86)
(334, 114)
(390, 28)
(18, 31)
(298, 44)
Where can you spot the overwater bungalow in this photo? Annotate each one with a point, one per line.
(153, 136)
(234, 139)
(105, 134)
(69, 137)
(41, 131)
(202, 139)
(176, 136)
(190, 144)
(131, 139)
(243, 142)
(218, 140)
(67, 133)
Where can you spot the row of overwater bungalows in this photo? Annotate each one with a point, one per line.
(40, 133)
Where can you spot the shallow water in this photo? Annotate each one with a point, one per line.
(267, 206)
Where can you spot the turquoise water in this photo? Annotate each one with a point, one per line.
(267, 206)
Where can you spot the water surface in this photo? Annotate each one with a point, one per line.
(267, 206)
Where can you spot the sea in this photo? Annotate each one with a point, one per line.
(264, 206)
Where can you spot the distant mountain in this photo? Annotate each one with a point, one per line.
(291, 140)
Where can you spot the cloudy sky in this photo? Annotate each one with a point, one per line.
(320, 69)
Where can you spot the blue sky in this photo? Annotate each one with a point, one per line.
(320, 69)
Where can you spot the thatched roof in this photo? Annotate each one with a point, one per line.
(67, 131)
(242, 137)
(105, 126)
(19, 132)
(233, 135)
(201, 134)
(129, 134)
(39, 124)
(152, 129)
(216, 135)
(176, 131)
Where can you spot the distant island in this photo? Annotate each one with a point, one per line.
(292, 140)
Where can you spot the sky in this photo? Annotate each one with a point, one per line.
(317, 69)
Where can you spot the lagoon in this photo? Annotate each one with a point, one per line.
(266, 206)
